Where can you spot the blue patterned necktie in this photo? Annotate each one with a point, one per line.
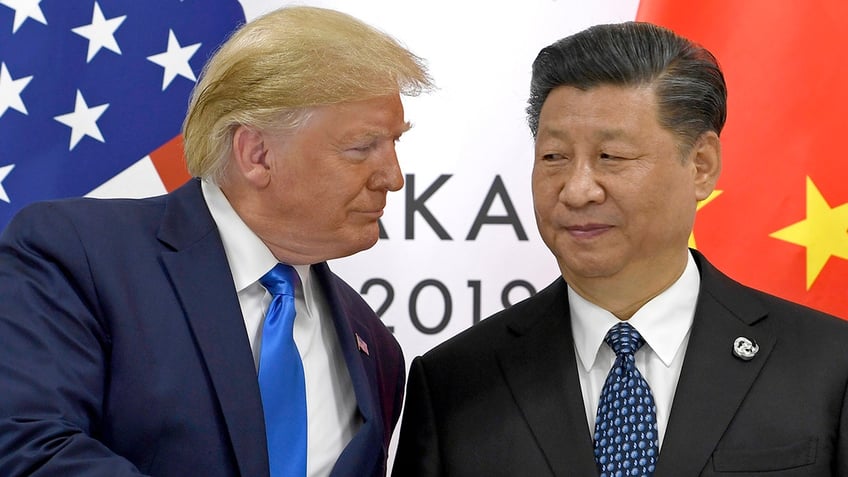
(626, 438)
(281, 380)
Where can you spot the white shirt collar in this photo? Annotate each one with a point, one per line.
(249, 258)
(663, 322)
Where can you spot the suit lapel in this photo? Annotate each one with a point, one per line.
(540, 369)
(365, 447)
(198, 269)
(713, 382)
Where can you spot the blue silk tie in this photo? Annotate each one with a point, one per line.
(281, 380)
(626, 438)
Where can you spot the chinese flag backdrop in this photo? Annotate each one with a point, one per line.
(779, 218)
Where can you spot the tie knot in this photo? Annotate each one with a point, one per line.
(624, 339)
(280, 280)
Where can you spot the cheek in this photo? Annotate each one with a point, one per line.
(544, 207)
(337, 187)
(545, 190)
(662, 209)
(348, 179)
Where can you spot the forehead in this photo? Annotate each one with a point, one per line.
(382, 115)
(606, 109)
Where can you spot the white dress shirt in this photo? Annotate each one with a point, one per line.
(664, 323)
(332, 416)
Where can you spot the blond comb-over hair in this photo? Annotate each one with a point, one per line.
(274, 68)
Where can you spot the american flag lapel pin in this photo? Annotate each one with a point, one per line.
(361, 344)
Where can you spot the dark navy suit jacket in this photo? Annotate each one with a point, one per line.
(504, 399)
(123, 350)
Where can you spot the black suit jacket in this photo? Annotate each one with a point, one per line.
(503, 398)
(123, 349)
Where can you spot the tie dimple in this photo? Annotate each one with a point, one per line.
(280, 280)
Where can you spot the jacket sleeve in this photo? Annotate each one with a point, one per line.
(418, 447)
(54, 351)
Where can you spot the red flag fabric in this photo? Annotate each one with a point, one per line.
(169, 162)
(779, 218)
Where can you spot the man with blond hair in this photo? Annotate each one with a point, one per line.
(133, 333)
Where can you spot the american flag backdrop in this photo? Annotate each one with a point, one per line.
(91, 89)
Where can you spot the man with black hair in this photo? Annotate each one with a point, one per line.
(642, 358)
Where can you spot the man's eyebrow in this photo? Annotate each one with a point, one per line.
(604, 135)
(406, 127)
(386, 133)
(608, 134)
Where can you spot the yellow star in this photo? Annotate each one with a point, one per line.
(824, 232)
(701, 204)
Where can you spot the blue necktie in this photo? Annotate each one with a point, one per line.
(626, 438)
(281, 381)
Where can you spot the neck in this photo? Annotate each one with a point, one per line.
(285, 248)
(625, 293)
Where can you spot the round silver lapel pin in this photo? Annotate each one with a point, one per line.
(745, 349)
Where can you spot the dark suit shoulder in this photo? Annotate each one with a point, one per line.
(794, 311)
(86, 215)
(803, 324)
(751, 305)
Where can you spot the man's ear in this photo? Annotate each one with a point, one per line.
(707, 161)
(250, 156)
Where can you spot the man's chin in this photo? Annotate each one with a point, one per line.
(361, 244)
(587, 269)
